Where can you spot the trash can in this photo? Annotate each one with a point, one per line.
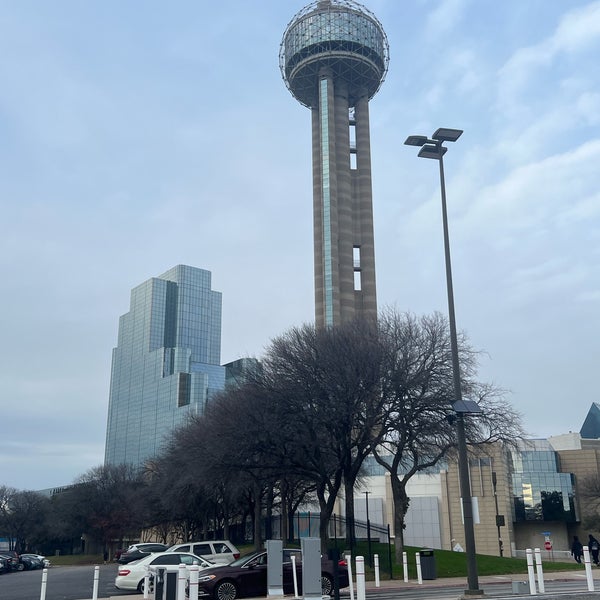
(427, 563)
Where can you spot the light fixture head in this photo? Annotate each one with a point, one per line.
(467, 407)
(443, 134)
(432, 151)
(416, 140)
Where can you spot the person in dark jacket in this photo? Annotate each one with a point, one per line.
(577, 549)
(594, 548)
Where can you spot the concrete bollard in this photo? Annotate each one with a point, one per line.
(419, 573)
(405, 566)
(361, 592)
(376, 561)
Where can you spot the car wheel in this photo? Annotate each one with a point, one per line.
(140, 587)
(326, 585)
(226, 590)
(20, 567)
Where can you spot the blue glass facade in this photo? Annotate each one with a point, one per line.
(540, 491)
(166, 363)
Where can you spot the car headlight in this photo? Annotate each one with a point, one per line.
(206, 578)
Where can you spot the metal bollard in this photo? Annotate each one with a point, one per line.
(44, 583)
(530, 572)
(376, 560)
(96, 580)
(147, 583)
(194, 576)
(540, 571)
(351, 582)
(588, 568)
(405, 566)
(419, 574)
(295, 576)
(181, 581)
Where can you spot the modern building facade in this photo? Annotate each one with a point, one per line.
(166, 363)
(333, 58)
(522, 498)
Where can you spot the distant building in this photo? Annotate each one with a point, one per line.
(591, 426)
(166, 363)
(530, 497)
(237, 371)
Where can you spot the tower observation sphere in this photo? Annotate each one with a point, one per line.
(333, 58)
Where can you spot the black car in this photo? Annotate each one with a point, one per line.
(247, 576)
(136, 551)
(13, 560)
(31, 562)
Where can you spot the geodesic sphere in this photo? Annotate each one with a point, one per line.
(337, 36)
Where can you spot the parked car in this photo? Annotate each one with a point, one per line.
(137, 551)
(4, 566)
(31, 562)
(45, 562)
(247, 576)
(131, 576)
(13, 560)
(221, 552)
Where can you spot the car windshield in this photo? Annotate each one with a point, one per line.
(240, 562)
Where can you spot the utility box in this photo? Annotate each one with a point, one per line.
(520, 587)
(427, 563)
(165, 585)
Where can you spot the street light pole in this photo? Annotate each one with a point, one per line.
(433, 148)
(368, 527)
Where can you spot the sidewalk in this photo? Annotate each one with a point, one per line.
(460, 583)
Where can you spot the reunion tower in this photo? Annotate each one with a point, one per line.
(333, 58)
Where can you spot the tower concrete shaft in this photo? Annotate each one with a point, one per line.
(333, 59)
(344, 252)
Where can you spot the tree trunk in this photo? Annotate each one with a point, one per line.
(401, 502)
(349, 506)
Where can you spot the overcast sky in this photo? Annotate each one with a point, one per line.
(135, 136)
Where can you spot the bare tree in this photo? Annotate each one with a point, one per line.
(325, 385)
(418, 388)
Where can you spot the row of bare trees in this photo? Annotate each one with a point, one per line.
(301, 426)
(295, 430)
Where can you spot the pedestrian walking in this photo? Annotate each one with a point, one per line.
(576, 549)
(594, 547)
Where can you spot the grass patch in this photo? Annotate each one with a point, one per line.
(75, 560)
(451, 564)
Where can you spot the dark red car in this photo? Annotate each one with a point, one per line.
(247, 576)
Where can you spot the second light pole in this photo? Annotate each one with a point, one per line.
(433, 148)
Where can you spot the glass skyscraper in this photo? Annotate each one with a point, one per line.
(166, 363)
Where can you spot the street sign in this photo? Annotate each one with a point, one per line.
(548, 545)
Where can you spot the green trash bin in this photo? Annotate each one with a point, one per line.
(427, 557)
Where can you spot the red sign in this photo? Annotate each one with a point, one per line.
(548, 545)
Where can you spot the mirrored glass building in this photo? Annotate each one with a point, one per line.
(166, 363)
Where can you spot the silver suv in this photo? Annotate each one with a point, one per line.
(220, 552)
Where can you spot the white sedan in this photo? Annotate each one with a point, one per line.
(131, 576)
